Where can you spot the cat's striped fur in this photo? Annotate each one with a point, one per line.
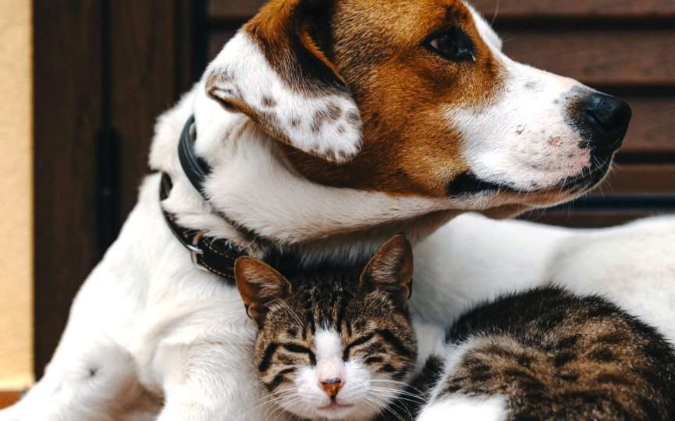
(551, 355)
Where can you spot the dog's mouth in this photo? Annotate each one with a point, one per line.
(468, 184)
(589, 178)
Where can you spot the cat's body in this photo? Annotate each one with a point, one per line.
(549, 355)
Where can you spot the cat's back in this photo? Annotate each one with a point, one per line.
(555, 356)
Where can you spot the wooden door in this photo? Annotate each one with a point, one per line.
(104, 70)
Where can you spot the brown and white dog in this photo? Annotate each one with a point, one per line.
(328, 126)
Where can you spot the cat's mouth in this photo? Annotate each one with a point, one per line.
(335, 406)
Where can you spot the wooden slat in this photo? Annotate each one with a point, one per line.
(152, 65)
(233, 9)
(8, 398)
(610, 57)
(653, 125)
(67, 117)
(640, 179)
(573, 8)
(144, 84)
(507, 9)
(584, 219)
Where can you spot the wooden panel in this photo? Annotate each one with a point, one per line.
(507, 9)
(653, 125)
(233, 9)
(190, 35)
(573, 8)
(584, 219)
(610, 57)
(144, 84)
(8, 398)
(637, 179)
(67, 117)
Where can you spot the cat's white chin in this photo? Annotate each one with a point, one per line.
(336, 411)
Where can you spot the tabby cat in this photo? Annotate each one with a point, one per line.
(340, 345)
(333, 345)
(550, 355)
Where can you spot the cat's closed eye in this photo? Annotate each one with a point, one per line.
(299, 349)
(355, 343)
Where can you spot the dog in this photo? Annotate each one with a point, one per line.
(322, 128)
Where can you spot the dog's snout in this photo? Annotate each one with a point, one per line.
(607, 120)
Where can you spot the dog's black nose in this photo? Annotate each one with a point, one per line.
(607, 120)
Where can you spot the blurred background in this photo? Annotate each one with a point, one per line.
(83, 82)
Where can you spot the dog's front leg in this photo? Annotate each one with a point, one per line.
(210, 382)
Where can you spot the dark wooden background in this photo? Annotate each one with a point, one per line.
(104, 71)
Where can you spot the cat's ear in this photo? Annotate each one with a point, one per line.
(259, 286)
(391, 268)
(278, 71)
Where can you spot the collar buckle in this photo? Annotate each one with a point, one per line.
(196, 253)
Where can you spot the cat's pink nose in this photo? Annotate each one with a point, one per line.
(331, 386)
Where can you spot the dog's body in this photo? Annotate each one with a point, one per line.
(474, 259)
(318, 156)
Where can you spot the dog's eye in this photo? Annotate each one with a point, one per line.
(453, 45)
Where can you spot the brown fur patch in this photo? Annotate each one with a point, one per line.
(403, 91)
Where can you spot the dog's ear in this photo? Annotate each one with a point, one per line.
(390, 269)
(278, 71)
(259, 286)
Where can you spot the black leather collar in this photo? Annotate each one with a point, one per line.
(211, 254)
(194, 167)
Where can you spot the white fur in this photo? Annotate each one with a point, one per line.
(457, 406)
(473, 259)
(338, 140)
(466, 408)
(522, 139)
(633, 265)
(362, 395)
(155, 325)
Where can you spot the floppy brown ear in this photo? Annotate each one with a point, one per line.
(391, 268)
(259, 286)
(275, 71)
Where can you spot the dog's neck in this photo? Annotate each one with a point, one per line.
(252, 185)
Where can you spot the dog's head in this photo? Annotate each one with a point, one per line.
(415, 98)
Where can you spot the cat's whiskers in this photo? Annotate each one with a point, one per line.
(396, 382)
(272, 399)
(398, 393)
(279, 410)
(382, 405)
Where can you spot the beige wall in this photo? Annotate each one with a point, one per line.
(16, 195)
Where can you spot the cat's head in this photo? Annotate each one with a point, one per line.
(333, 345)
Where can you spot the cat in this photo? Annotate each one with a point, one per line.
(333, 344)
(341, 345)
(547, 354)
